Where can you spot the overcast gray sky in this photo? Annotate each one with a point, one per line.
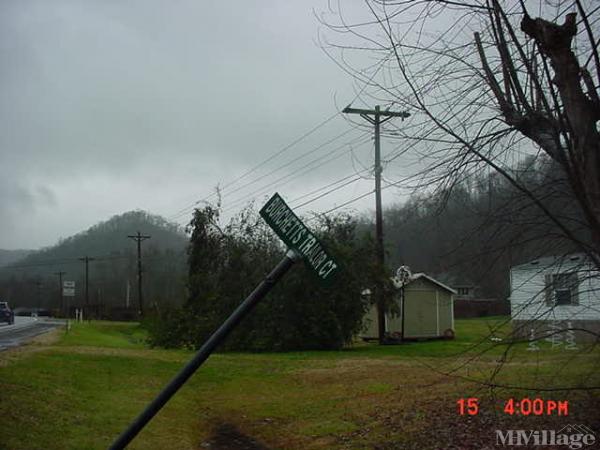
(109, 106)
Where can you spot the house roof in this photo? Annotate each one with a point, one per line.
(419, 275)
(455, 279)
(546, 261)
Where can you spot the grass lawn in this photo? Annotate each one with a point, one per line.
(81, 389)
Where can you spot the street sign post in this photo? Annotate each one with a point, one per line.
(302, 242)
(297, 236)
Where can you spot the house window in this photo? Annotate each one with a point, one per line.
(463, 291)
(561, 289)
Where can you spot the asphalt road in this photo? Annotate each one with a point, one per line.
(24, 329)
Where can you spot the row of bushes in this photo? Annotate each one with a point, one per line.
(226, 264)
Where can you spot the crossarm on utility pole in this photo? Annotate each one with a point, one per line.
(402, 114)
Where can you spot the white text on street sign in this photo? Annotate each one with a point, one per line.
(297, 236)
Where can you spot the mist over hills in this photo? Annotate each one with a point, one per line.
(30, 277)
(11, 256)
(108, 238)
(475, 230)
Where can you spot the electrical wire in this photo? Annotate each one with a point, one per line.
(188, 208)
(76, 260)
(355, 199)
(324, 187)
(354, 180)
(259, 165)
(283, 166)
(320, 162)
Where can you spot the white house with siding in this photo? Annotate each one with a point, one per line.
(556, 293)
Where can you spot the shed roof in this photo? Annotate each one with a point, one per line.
(419, 275)
(455, 279)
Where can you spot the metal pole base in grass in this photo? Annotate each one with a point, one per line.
(209, 346)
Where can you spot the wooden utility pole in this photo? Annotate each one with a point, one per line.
(378, 118)
(86, 259)
(39, 293)
(139, 238)
(60, 290)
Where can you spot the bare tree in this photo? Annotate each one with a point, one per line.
(487, 84)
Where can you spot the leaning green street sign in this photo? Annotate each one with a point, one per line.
(297, 236)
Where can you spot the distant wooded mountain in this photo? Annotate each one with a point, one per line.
(110, 239)
(32, 280)
(10, 256)
(479, 228)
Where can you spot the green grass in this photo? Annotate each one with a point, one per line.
(109, 334)
(81, 391)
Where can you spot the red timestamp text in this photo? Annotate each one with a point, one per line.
(519, 407)
(536, 407)
(469, 406)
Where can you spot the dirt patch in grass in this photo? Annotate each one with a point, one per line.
(356, 375)
(226, 436)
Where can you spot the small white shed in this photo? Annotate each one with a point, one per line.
(428, 309)
(556, 293)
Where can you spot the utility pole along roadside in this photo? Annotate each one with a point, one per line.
(378, 118)
(139, 237)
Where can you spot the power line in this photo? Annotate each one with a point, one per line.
(322, 160)
(60, 262)
(266, 161)
(324, 187)
(41, 264)
(283, 166)
(357, 176)
(287, 164)
(184, 210)
(74, 260)
(355, 199)
(354, 180)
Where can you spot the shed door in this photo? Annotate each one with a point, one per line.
(421, 314)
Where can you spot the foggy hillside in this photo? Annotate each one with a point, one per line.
(33, 279)
(12, 256)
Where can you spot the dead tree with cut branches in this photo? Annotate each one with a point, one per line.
(488, 84)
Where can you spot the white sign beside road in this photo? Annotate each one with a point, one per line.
(68, 289)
